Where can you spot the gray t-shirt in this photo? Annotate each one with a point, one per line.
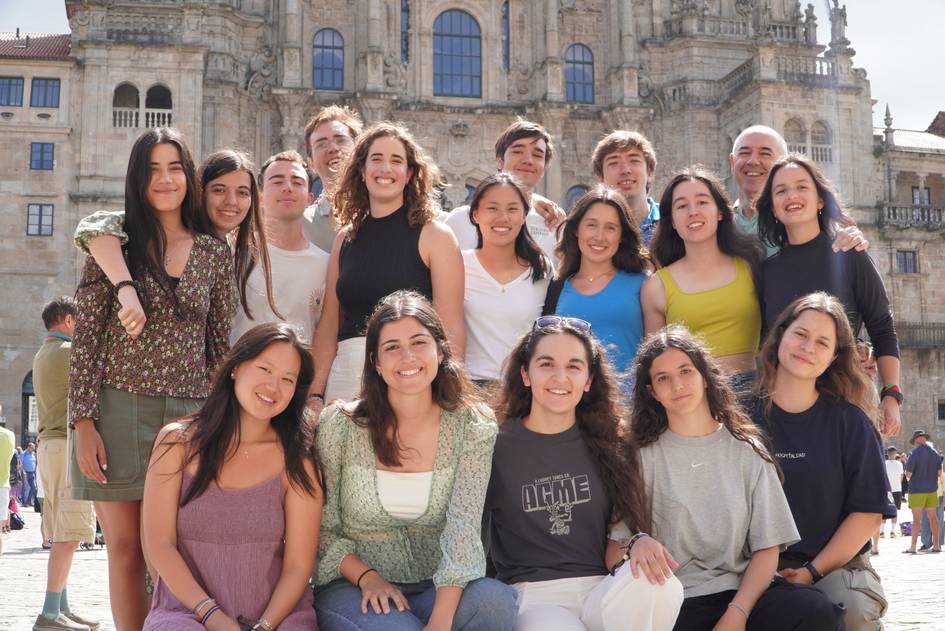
(715, 502)
(319, 227)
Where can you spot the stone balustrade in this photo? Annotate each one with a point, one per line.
(912, 216)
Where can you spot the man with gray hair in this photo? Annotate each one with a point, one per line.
(754, 151)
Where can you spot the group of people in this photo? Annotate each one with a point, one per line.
(636, 414)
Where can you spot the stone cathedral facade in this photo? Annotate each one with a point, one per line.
(689, 74)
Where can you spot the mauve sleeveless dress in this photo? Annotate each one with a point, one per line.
(231, 539)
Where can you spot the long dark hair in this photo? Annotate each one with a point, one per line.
(525, 247)
(250, 243)
(668, 247)
(452, 390)
(631, 255)
(146, 239)
(215, 434)
(598, 415)
(649, 418)
(773, 231)
(844, 379)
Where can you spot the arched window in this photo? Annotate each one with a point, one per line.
(820, 142)
(819, 134)
(328, 60)
(457, 55)
(157, 107)
(579, 74)
(573, 194)
(795, 136)
(404, 31)
(125, 105)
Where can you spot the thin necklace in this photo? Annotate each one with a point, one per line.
(591, 279)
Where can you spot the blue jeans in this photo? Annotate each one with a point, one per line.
(486, 605)
(927, 527)
(29, 488)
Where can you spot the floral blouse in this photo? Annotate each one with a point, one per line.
(175, 355)
(444, 543)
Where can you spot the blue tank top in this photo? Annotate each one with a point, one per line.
(614, 313)
(382, 259)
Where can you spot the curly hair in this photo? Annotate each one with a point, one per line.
(351, 204)
(844, 379)
(599, 416)
(649, 419)
(668, 247)
(452, 390)
(773, 231)
(631, 256)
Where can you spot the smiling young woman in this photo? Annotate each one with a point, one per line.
(702, 456)
(709, 276)
(603, 267)
(406, 468)
(816, 404)
(388, 242)
(507, 277)
(566, 494)
(245, 459)
(798, 211)
(124, 390)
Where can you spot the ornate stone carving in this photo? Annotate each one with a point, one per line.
(395, 74)
(260, 75)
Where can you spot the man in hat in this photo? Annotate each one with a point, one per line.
(922, 472)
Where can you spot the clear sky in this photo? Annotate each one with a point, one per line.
(899, 42)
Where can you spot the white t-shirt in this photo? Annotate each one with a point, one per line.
(465, 231)
(894, 473)
(298, 289)
(496, 315)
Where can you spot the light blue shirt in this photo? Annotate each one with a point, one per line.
(614, 313)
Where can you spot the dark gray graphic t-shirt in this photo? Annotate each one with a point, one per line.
(549, 509)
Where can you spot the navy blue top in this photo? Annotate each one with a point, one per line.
(798, 270)
(924, 463)
(614, 313)
(833, 466)
(382, 259)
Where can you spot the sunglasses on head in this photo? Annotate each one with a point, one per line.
(553, 320)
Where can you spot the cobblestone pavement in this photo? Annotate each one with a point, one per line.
(914, 585)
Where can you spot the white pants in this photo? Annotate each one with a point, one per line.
(598, 603)
(344, 379)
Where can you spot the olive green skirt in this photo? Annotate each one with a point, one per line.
(128, 424)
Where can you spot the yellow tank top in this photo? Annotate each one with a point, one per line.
(727, 317)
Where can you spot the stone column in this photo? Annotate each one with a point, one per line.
(553, 67)
(921, 177)
(291, 44)
(374, 55)
(628, 55)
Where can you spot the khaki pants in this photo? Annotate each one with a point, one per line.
(64, 519)
(856, 586)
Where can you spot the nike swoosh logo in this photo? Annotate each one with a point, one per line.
(697, 465)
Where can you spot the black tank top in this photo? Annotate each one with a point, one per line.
(382, 259)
